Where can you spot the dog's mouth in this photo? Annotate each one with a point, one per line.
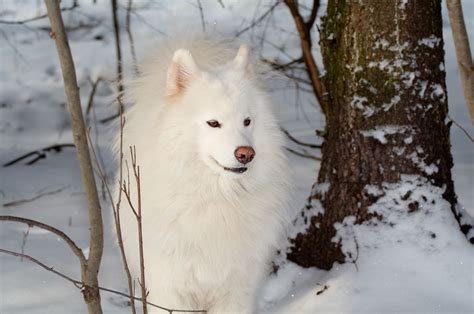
(234, 170)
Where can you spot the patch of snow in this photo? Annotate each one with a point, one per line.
(380, 132)
(395, 100)
(430, 42)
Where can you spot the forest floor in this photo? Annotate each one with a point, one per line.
(397, 271)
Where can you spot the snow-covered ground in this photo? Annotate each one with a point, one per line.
(420, 265)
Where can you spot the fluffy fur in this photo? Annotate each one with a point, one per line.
(209, 234)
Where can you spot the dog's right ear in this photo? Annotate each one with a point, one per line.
(181, 72)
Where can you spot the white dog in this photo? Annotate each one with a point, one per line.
(214, 178)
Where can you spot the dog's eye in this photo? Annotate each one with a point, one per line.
(247, 122)
(214, 124)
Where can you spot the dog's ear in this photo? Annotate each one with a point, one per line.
(241, 60)
(181, 72)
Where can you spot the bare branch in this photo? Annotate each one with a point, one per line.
(304, 155)
(298, 141)
(118, 50)
(34, 198)
(90, 102)
(221, 3)
(116, 210)
(80, 285)
(39, 17)
(128, 28)
(258, 20)
(314, 13)
(462, 129)
(33, 223)
(282, 66)
(201, 13)
(305, 38)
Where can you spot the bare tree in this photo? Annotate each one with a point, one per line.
(89, 269)
(463, 53)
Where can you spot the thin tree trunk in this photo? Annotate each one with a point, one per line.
(89, 274)
(463, 53)
(384, 65)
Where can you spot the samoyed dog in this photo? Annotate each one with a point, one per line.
(214, 178)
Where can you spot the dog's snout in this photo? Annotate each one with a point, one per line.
(244, 154)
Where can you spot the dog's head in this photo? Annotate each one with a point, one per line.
(221, 107)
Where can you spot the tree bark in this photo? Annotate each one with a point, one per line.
(90, 272)
(384, 66)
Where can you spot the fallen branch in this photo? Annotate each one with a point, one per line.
(40, 154)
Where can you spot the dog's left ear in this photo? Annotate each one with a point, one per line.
(241, 60)
(181, 72)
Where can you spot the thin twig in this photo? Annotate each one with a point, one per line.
(116, 211)
(304, 155)
(137, 211)
(90, 101)
(23, 241)
(298, 141)
(462, 129)
(34, 198)
(258, 20)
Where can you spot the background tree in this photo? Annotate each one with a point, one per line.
(385, 115)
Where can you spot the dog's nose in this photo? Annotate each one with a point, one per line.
(244, 154)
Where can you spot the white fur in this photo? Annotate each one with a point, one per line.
(209, 234)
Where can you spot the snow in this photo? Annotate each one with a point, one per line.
(404, 261)
(400, 268)
(431, 41)
(380, 132)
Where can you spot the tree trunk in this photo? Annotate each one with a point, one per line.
(386, 115)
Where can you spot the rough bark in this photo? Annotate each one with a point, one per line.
(384, 67)
(90, 272)
(463, 53)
